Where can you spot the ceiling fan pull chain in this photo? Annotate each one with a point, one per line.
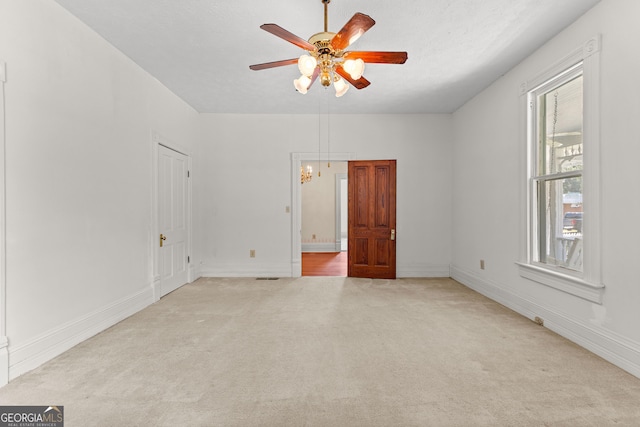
(319, 127)
(328, 134)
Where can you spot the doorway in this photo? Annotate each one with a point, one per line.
(324, 219)
(332, 243)
(342, 212)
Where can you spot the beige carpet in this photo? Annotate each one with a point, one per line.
(330, 352)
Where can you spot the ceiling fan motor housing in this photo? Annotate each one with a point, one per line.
(325, 54)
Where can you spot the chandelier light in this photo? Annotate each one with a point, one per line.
(355, 68)
(340, 86)
(302, 84)
(306, 64)
(305, 176)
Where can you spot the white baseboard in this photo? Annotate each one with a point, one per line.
(194, 272)
(422, 270)
(285, 270)
(33, 353)
(319, 247)
(247, 270)
(612, 347)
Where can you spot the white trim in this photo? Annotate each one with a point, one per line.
(46, 346)
(156, 141)
(156, 289)
(612, 347)
(422, 270)
(338, 243)
(249, 269)
(296, 201)
(589, 283)
(4, 341)
(563, 282)
(319, 247)
(591, 179)
(581, 53)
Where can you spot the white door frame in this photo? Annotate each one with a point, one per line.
(4, 341)
(156, 141)
(296, 201)
(339, 207)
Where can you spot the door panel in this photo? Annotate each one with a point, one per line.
(360, 251)
(372, 219)
(172, 219)
(382, 194)
(382, 252)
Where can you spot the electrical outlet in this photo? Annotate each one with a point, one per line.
(252, 253)
(481, 264)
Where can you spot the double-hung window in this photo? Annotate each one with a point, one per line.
(557, 163)
(562, 187)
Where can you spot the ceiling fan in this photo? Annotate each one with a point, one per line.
(327, 58)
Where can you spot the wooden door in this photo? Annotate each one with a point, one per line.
(372, 219)
(172, 219)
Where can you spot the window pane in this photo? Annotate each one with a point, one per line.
(560, 222)
(561, 128)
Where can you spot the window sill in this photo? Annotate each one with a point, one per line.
(562, 282)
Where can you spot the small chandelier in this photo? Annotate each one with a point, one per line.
(306, 176)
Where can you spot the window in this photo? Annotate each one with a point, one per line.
(557, 171)
(562, 214)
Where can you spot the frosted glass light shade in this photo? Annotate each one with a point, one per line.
(341, 87)
(302, 84)
(355, 68)
(306, 64)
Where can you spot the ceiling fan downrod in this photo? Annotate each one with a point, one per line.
(326, 14)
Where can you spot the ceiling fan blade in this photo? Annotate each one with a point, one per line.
(361, 83)
(378, 57)
(352, 30)
(273, 64)
(314, 77)
(277, 30)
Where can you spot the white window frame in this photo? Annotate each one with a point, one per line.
(588, 283)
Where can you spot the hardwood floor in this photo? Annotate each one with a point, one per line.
(324, 264)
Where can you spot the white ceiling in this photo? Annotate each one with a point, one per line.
(202, 49)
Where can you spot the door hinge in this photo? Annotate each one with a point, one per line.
(188, 174)
(188, 259)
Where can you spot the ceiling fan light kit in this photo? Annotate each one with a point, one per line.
(326, 58)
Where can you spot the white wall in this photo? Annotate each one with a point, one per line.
(79, 119)
(247, 186)
(487, 185)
